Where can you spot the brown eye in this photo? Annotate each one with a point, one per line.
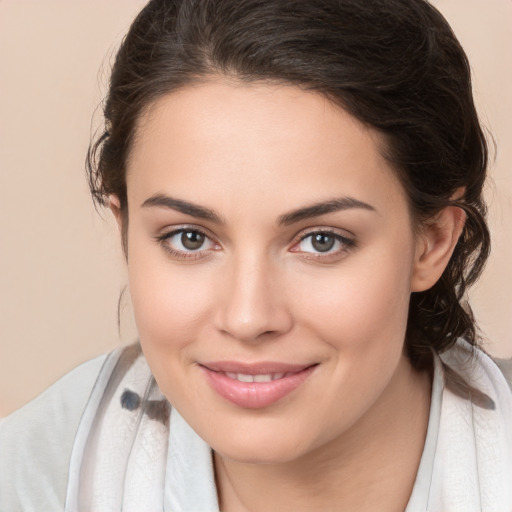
(192, 240)
(322, 242)
(187, 243)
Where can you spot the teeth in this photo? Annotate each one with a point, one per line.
(244, 378)
(265, 377)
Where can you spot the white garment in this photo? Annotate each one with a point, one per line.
(466, 465)
(36, 443)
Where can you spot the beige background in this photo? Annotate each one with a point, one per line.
(61, 269)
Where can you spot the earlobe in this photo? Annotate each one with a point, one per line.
(435, 247)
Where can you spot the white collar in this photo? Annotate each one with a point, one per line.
(128, 457)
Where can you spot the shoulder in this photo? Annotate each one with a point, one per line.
(36, 442)
(471, 373)
(473, 450)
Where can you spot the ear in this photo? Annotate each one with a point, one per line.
(115, 207)
(435, 246)
(122, 221)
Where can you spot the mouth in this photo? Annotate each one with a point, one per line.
(260, 377)
(255, 386)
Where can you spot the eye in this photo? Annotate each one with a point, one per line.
(187, 242)
(320, 243)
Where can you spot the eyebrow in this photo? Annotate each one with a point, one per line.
(309, 212)
(183, 206)
(323, 208)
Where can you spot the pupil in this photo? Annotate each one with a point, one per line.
(192, 239)
(323, 243)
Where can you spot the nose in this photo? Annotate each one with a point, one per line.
(252, 305)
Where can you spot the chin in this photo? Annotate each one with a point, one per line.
(255, 456)
(273, 446)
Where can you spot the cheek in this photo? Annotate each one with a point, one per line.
(170, 302)
(170, 310)
(361, 315)
(167, 309)
(362, 304)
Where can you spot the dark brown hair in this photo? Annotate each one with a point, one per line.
(393, 64)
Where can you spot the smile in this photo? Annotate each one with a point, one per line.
(263, 377)
(255, 386)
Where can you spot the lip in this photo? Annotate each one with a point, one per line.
(255, 395)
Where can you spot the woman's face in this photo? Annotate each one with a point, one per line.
(270, 257)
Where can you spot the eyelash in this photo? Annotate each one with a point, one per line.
(163, 240)
(347, 244)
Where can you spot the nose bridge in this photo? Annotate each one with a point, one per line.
(253, 303)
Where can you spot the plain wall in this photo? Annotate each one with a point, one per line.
(61, 268)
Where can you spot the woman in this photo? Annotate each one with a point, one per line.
(298, 188)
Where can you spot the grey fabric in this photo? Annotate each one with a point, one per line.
(505, 365)
(36, 443)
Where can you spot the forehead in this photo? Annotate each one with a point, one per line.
(240, 140)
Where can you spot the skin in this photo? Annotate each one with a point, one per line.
(351, 436)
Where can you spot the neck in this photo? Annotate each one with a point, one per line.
(370, 467)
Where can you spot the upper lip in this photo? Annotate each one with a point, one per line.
(258, 368)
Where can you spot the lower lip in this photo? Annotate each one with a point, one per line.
(255, 395)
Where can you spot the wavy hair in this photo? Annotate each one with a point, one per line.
(395, 65)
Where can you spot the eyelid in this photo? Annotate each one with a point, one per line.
(178, 228)
(347, 242)
(338, 233)
(167, 234)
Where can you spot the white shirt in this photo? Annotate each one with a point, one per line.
(36, 444)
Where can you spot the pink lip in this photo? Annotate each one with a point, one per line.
(255, 395)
